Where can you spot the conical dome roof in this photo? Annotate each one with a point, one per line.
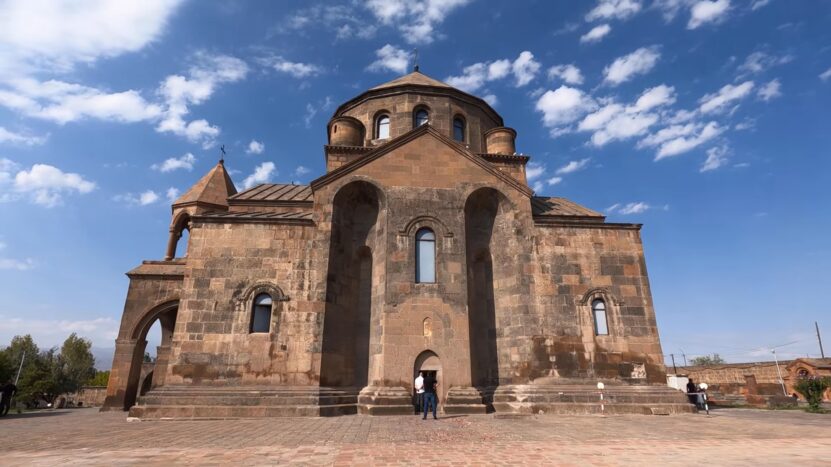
(214, 188)
(416, 78)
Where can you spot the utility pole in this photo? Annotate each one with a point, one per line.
(685, 357)
(23, 357)
(674, 370)
(782, 382)
(819, 339)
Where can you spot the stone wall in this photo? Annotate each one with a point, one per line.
(574, 266)
(755, 378)
(227, 266)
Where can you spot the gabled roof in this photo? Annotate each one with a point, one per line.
(274, 192)
(214, 189)
(416, 78)
(561, 207)
(411, 135)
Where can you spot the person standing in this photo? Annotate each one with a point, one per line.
(691, 390)
(430, 398)
(419, 389)
(9, 389)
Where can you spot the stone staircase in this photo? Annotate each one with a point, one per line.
(585, 399)
(187, 402)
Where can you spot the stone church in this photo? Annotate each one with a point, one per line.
(422, 248)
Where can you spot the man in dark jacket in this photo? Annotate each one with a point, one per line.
(430, 398)
(9, 390)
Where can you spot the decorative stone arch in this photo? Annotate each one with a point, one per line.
(342, 184)
(245, 306)
(613, 304)
(503, 198)
(180, 222)
(431, 222)
(428, 360)
(465, 132)
(125, 378)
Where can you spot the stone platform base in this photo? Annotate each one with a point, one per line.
(185, 402)
(585, 399)
(398, 401)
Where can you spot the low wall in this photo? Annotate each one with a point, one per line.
(88, 396)
(757, 378)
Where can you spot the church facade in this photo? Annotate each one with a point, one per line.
(422, 248)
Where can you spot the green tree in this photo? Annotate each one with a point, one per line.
(40, 378)
(76, 363)
(812, 388)
(19, 346)
(707, 360)
(101, 378)
(7, 367)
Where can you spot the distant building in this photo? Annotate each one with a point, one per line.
(422, 248)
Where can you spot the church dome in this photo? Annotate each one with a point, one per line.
(394, 108)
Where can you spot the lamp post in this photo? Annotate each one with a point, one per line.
(779, 372)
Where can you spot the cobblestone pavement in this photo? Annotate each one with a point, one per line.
(727, 437)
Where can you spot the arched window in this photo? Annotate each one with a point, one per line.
(425, 256)
(601, 327)
(459, 129)
(261, 314)
(420, 118)
(382, 127)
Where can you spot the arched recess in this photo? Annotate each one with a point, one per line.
(612, 307)
(180, 224)
(165, 313)
(352, 291)
(429, 361)
(487, 230)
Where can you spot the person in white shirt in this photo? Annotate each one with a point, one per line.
(419, 389)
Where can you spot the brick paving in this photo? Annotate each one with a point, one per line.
(727, 437)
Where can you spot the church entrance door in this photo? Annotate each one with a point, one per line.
(429, 363)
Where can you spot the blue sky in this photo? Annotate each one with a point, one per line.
(707, 121)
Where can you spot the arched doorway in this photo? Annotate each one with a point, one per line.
(138, 383)
(429, 363)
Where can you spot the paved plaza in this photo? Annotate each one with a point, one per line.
(726, 437)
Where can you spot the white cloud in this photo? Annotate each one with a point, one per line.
(175, 163)
(390, 58)
(43, 184)
(255, 147)
(47, 35)
(718, 102)
(626, 67)
(491, 99)
(7, 136)
(553, 181)
(534, 170)
(707, 11)
(563, 106)
(596, 34)
(63, 102)
(716, 157)
(179, 92)
(172, 194)
(568, 73)
(770, 90)
(312, 110)
(629, 208)
(148, 197)
(415, 19)
(614, 9)
(301, 171)
(758, 62)
(614, 121)
(524, 69)
(295, 69)
(262, 174)
(48, 332)
(682, 144)
(573, 166)
(339, 18)
(655, 97)
(17, 264)
(758, 4)
(825, 75)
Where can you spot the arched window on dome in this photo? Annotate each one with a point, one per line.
(459, 129)
(261, 314)
(420, 117)
(425, 256)
(601, 326)
(382, 127)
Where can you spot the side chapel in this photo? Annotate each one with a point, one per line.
(422, 248)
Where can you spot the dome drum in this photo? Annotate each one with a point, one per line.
(346, 131)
